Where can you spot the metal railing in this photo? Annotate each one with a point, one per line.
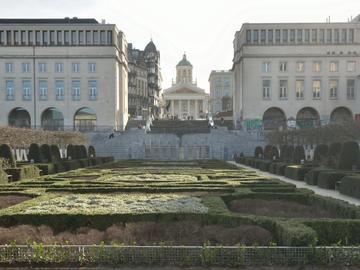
(179, 255)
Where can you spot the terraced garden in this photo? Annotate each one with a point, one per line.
(171, 203)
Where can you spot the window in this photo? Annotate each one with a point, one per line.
(270, 36)
(334, 66)
(25, 67)
(322, 36)
(314, 35)
(92, 67)
(37, 37)
(92, 90)
(73, 37)
(277, 35)
(26, 86)
(248, 36)
(283, 66)
(59, 67)
(333, 84)
(75, 90)
(350, 88)
(316, 89)
(52, 37)
(285, 36)
(317, 66)
(266, 89)
(292, 35)
(336, 36)
(307, 35)
(75, 67)
(109, 37)
(299, 88)
(102, 37)
(9, 67)
(23, 37)
(88, 37)
(283, 89)
(31, 37)
(263, 36)
(81, 37)
(96, 37)
(43, 90)
(266, 67)
(300, 67)
(17, 37)
(45, 38)
(299, 34)
(66, 37)
(350, 66)
(59, 37)
(351, 35)
(256, 36)
(328, 35)
(10, 94)
(343, 35)
(42, 67)
(59, 89)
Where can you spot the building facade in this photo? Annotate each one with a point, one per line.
(61, 74)
(221, 91)
(184, 100)
(308, 72)
(139, 98)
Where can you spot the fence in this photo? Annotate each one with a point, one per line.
(179, 255)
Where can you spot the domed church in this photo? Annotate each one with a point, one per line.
(184, 100)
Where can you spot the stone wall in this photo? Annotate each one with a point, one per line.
(135, 144)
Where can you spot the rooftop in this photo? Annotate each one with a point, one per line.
(66, 20)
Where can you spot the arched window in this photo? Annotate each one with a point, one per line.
(52, 119)
(85, 119)
(19, 117)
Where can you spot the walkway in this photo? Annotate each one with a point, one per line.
(300, 184)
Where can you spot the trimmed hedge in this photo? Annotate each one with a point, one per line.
(311, 178)
(55, 153)
(350, 185)
(333, 154)
(23, 172)
(45, 153)
(3, 176)
(35, 153)
(92, 154)
(264, 165)
(328, 179)
(6, 153)
(70, 151)
(258, 152)
(299, 154)
(297, 172)
(349, 156)
(321, 153)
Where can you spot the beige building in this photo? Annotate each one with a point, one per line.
(63, 74)
(184, 100)
(308, 72)
(221, 92)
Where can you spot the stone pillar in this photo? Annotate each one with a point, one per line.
(196, 110)
(188, 107)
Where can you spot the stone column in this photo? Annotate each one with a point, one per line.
(188, 107)
(196, 110)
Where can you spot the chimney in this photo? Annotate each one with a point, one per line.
(103, 21)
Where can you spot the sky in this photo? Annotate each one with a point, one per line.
(204, 29)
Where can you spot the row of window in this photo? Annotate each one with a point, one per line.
(316, 66)
(286, 36)
(316, 89)
(43, 67)
(43, 89)
(59, 37)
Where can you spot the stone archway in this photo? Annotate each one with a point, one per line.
(19, 117)
(274, 118)
(52, 119)
(85, 119)
(341, 115)
(307, 117)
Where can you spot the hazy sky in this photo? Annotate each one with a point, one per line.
(203, 28)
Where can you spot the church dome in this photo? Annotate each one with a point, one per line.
(150, 47)
(184, 62)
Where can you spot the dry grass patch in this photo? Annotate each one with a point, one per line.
(9, 200)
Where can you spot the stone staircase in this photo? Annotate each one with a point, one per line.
(180, 127)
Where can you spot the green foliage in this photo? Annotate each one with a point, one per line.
(297, 172)
(294, 233)
(45, 153)
(328, 179)
(55, 153)
(23, 172)
(91, 152)
(311, 178)
(7, 154)
(83, 151)
(258, 152)
(350, 185)
(35, 153)
(268, 152)
(334, 153)
(299, 154)
(321, 153)
(349, 155)
(70, 150)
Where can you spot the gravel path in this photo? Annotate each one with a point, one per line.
(300, 184)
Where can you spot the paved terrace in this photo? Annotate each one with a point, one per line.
(300, 184)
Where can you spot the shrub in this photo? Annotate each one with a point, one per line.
(311, 178)
(83, 151)
(296, 172)
(349, 155)
(45, 153)
(333, 154)
(275, 153)
(6, 153)
(299, 154)
(55, 153)
(268, 152)
(328, 179)
(35, 153)
(350, 185)
(321, 153)
(77, 151)
(23, 172)
(92, 154)
(258, 152)
(286, 153)
(283, 152)
(70, 151)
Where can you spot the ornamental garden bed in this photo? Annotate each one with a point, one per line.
(10, 200)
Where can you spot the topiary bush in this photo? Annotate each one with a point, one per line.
(70, 151)
(268, 152)
(333, 154)
(92, 154)
(321, 153)
(349, 155)
(45, 153)
(35, 153)
(83, 151)
(283, 152)
(275, 153)
(258, 152)
(299, 154)
(6, 153)
(55, 153)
